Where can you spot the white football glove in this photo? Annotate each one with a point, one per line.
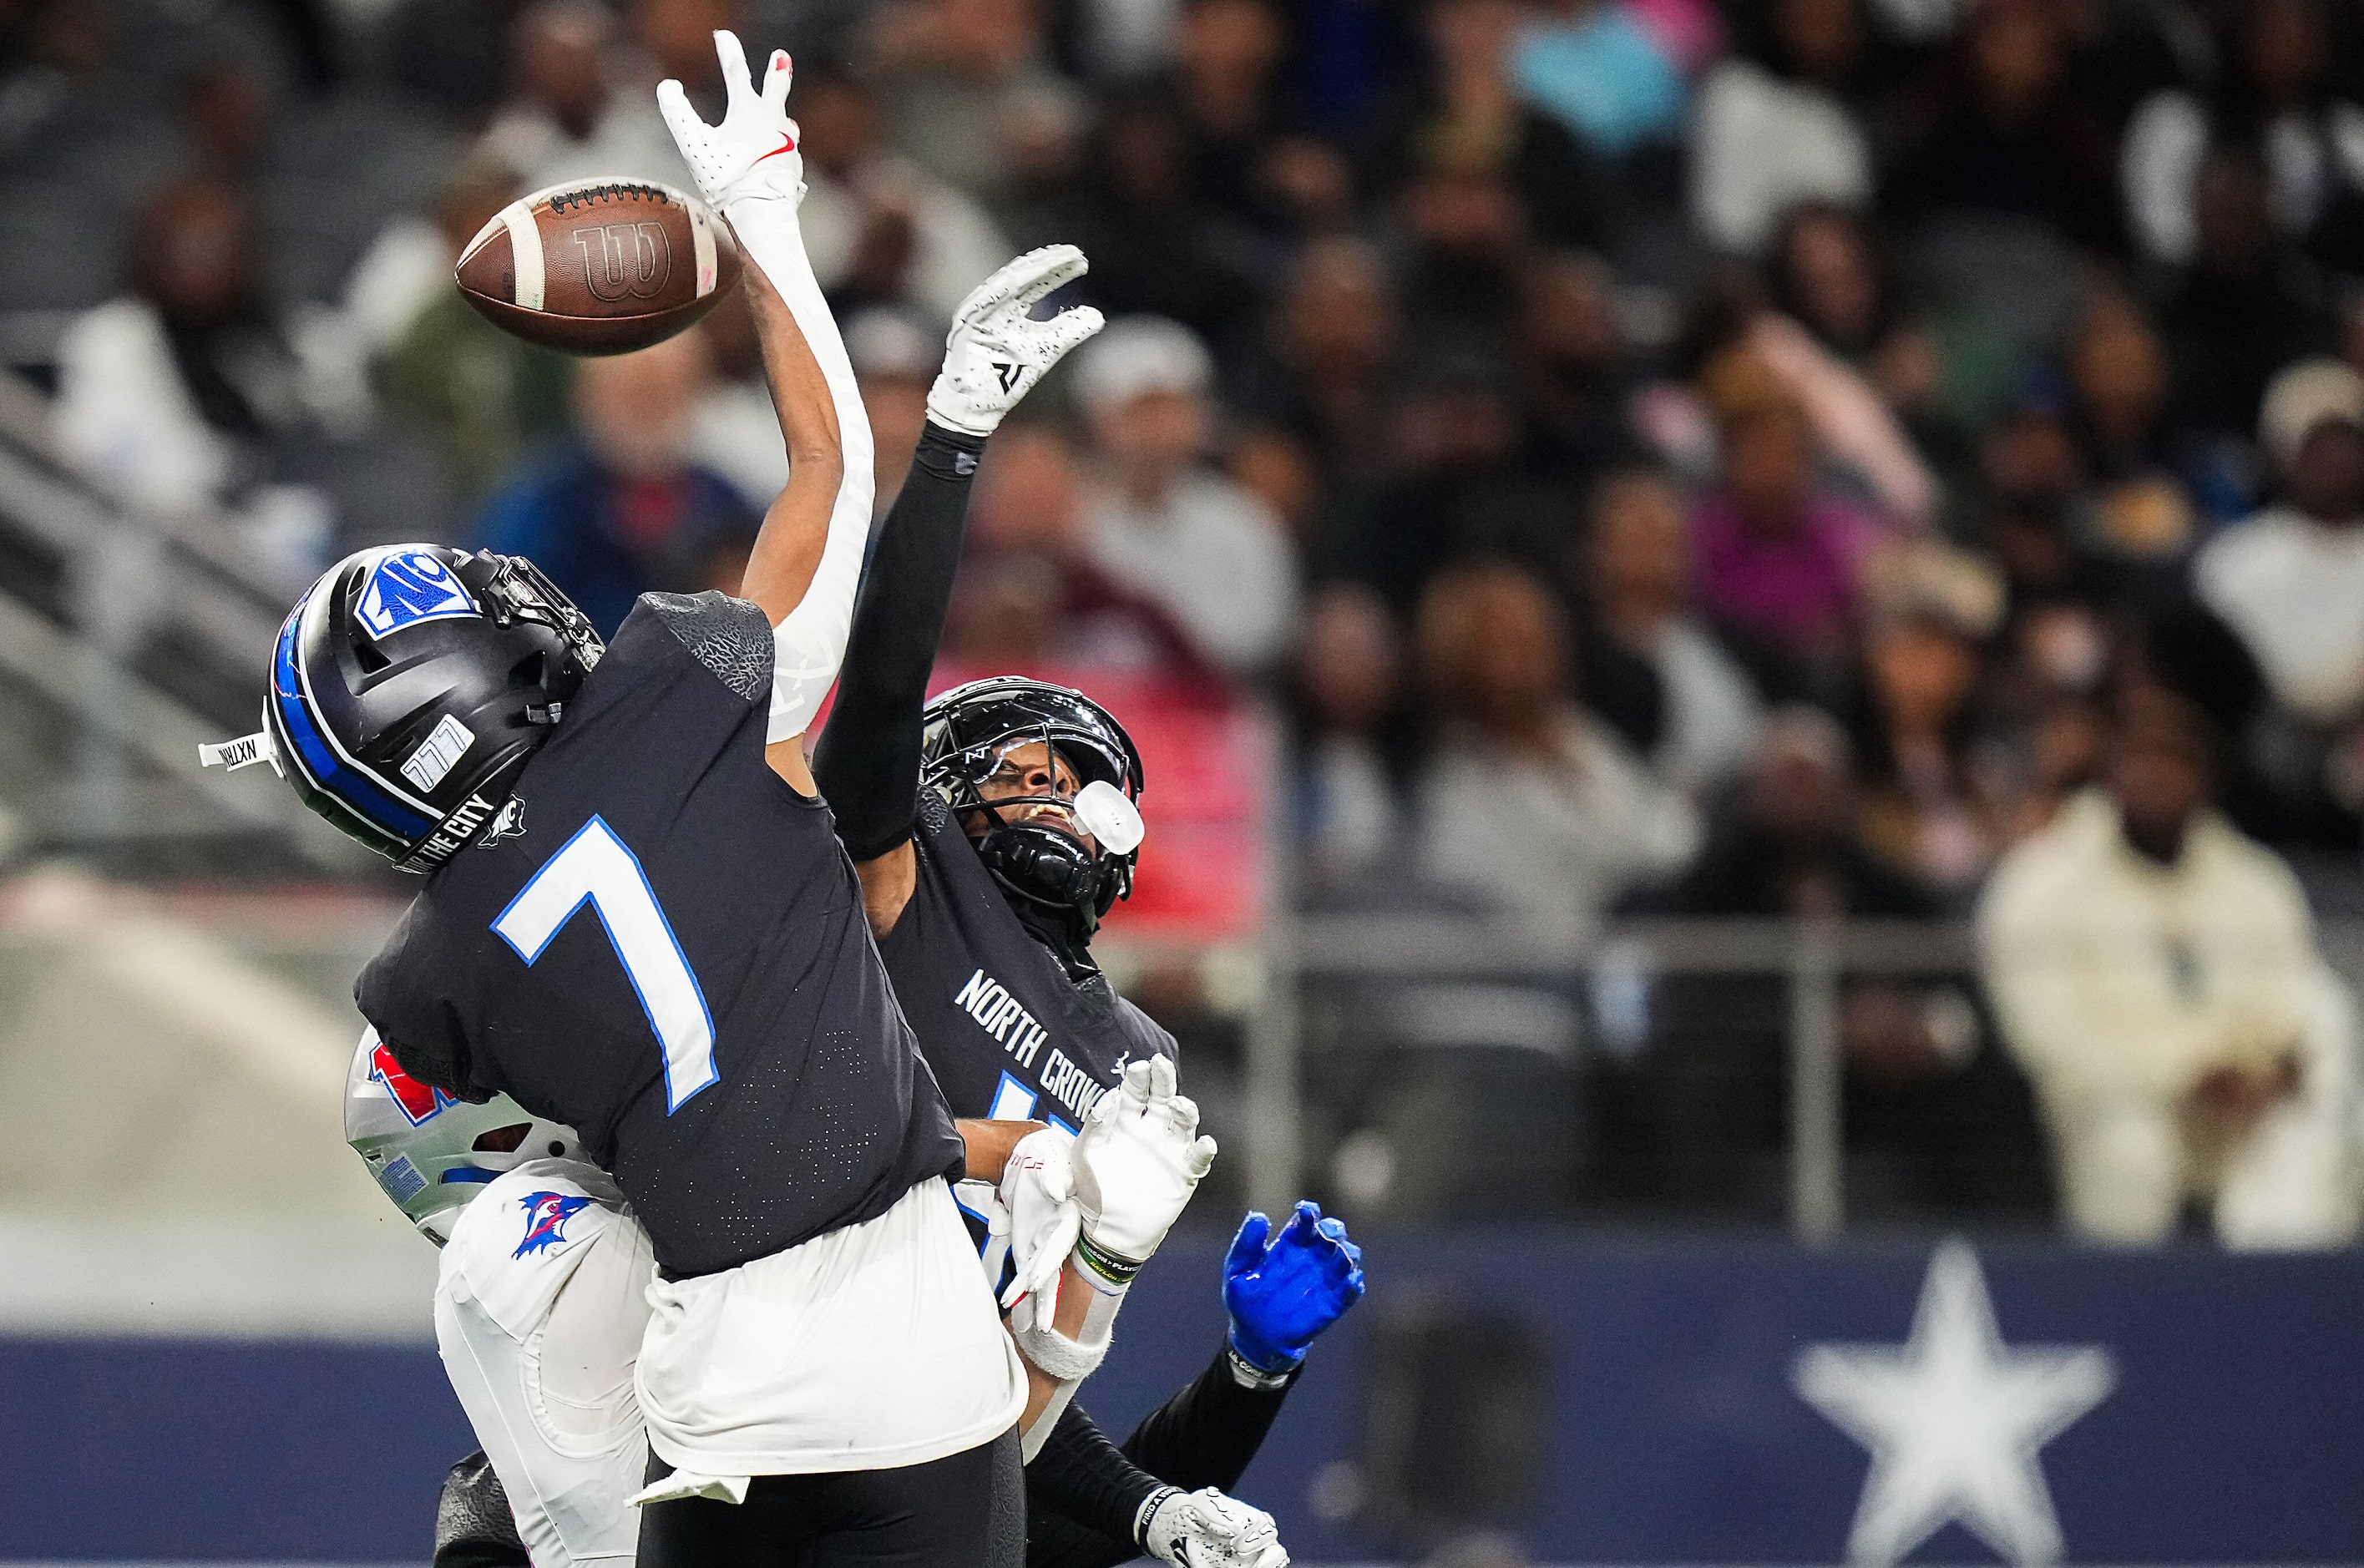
(1137, 1162)
(997, 350)
(1038, 1189)
(1209, 1529)
(752, 155)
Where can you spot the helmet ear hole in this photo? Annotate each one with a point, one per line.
(502, 1139)
(528, 673)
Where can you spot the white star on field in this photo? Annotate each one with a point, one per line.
(1953, 1421)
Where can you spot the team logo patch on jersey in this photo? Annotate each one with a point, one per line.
(546, 1215)
(408, 588)
(510, 824)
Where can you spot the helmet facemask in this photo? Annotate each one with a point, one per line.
(974, 733)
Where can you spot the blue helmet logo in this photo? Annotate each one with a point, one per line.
(408, 586)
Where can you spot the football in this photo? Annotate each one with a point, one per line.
(600, 266)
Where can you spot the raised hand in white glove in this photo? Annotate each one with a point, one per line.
(1209, 1529)
(997, 350)
(752, 155)
(1137, 1161)
(1038, 1190)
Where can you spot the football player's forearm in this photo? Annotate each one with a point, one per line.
(788, 547)
(807, 558)
(868, 760)
(1082, 1477)
(1047, 1392)
(989, 1144)
(1208, 1433)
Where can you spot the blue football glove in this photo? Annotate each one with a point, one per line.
(1283, 1290)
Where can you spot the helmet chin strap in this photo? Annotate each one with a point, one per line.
(1053, 884)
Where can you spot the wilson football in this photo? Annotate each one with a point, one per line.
(600, 266)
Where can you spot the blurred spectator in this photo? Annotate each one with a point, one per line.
(621, 509)
(1242, 149)
(1331, 346)
(1946, 372)
(1577, 372)
(965, 89)
(1529, 802)
(1640, 576)
(567, 116)
(2004, 138)
(1030, 596)
(1156, 248)
(1775, 129)
(1473, 167)
(2248, 304)
(2291, 579)
(1350, 765)
(1604, 70)
(483, 396)
(1455, 487)
(1932, 1120)
(2118, 374)
(1926, 805)
(173, 393)
(2280, 97)
(1159, 518)
(1779, 557)
(2156, 974)
(876, 223)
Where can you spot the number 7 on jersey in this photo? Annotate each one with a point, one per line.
(595, 867)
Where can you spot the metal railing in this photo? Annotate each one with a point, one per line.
(135, 635)
(1814, 961)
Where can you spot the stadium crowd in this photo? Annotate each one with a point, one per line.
(1885, 458)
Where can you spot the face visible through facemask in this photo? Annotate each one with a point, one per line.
(1031, 773)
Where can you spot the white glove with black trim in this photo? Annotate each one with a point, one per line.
(1137, 1161)
(1209, 1529)
(997, 350)
(752, 155)
(1038, 1190)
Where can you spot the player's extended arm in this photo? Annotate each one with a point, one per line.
(1282, 1291)
(808, 556)
(868, 759)
(1088, 1506)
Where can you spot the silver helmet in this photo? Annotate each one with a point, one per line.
(431, 1155)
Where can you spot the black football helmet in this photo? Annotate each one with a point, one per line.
(964, 734)
(410, 686)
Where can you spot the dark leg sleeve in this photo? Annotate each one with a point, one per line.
(1205, 1435)
(867, 764)
(474, 1527)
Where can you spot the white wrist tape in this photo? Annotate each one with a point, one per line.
(809, 644)
(1069, 1360)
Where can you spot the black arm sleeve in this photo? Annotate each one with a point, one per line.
(867, 764)
(1081, 1496)
(1205, 1435)
(1080, 1508)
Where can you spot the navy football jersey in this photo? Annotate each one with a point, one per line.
(662, 945)
(1008, 1034)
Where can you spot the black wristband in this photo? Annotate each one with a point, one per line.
(947, 453)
